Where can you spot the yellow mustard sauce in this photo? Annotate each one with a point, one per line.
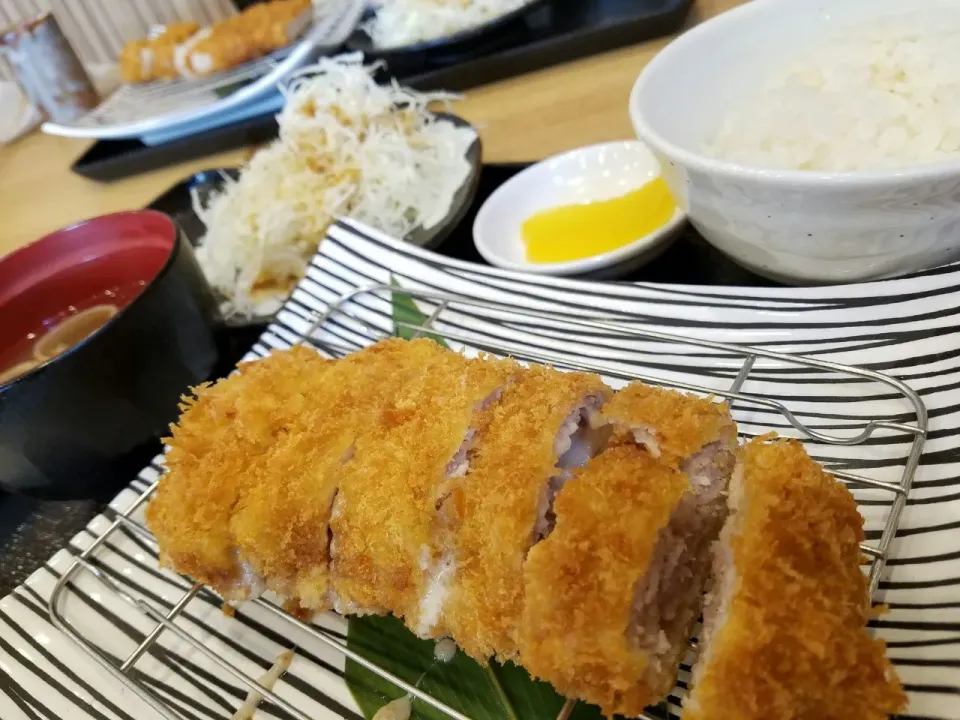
(572, 232)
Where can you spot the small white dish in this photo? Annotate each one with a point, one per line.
(588, 174)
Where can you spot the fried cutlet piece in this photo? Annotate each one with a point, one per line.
(384, 510)
(214, 50)
(165, 48)
(698, 437)
(136, 62)
(260, 29)
(224, 431)
(440, 558)
(785, 626)
(690, 432)
(281, 524)
(274, 25)
(176, 33)
(578, 630)
(164, 60)
(686, 430)
(152, 59)
(539, 428)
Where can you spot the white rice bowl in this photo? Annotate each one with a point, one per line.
(813, 141)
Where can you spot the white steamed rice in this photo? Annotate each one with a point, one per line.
(882, 97)
(406, 22)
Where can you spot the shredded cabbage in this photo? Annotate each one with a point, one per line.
(405, 22)
(347, 147)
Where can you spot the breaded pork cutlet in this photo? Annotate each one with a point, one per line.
(164, 49)
(423, 615)
(280, 524)
(274, 25)
(224, 431)
(699, 438)
(694, 433)
(580, 584)
(383, 516)
(785, 626)
(150, 59)
(540, 428)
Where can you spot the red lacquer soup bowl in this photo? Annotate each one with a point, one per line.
(103, 325)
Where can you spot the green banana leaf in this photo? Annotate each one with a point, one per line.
(405, 311)
(497, 692)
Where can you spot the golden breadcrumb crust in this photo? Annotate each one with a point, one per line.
(264, 27)
(580, 581)
(223, 430)
(498, 502)
(158, 52)
(280, 524)
(681, 424)
(257, 461)
(387, 501)
(234, 450)
(793, 645)
(260, 29)
(446, 520)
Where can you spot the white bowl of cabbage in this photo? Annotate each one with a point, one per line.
(814, 141)
(348, 147)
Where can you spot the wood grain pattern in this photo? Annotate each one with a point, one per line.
(526, 118)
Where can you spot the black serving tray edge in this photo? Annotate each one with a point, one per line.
(109, 160)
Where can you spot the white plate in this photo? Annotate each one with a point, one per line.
(905, 327)
(587, 174)
(183, 107)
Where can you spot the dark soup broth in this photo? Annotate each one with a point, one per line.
(57, 334)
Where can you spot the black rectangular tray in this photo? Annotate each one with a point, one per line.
(108, 160)
(690, 260)
(562, 31)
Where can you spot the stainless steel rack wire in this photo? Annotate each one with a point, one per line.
(358, 318)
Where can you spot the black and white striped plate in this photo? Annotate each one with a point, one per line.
(907, 328)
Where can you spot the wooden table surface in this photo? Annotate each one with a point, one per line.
(525, 118)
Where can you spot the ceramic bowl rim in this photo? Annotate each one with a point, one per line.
(175, 248)
(726, 21)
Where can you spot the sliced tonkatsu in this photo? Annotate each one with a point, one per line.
(540, 429)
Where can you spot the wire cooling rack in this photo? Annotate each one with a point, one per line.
(364, 316)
